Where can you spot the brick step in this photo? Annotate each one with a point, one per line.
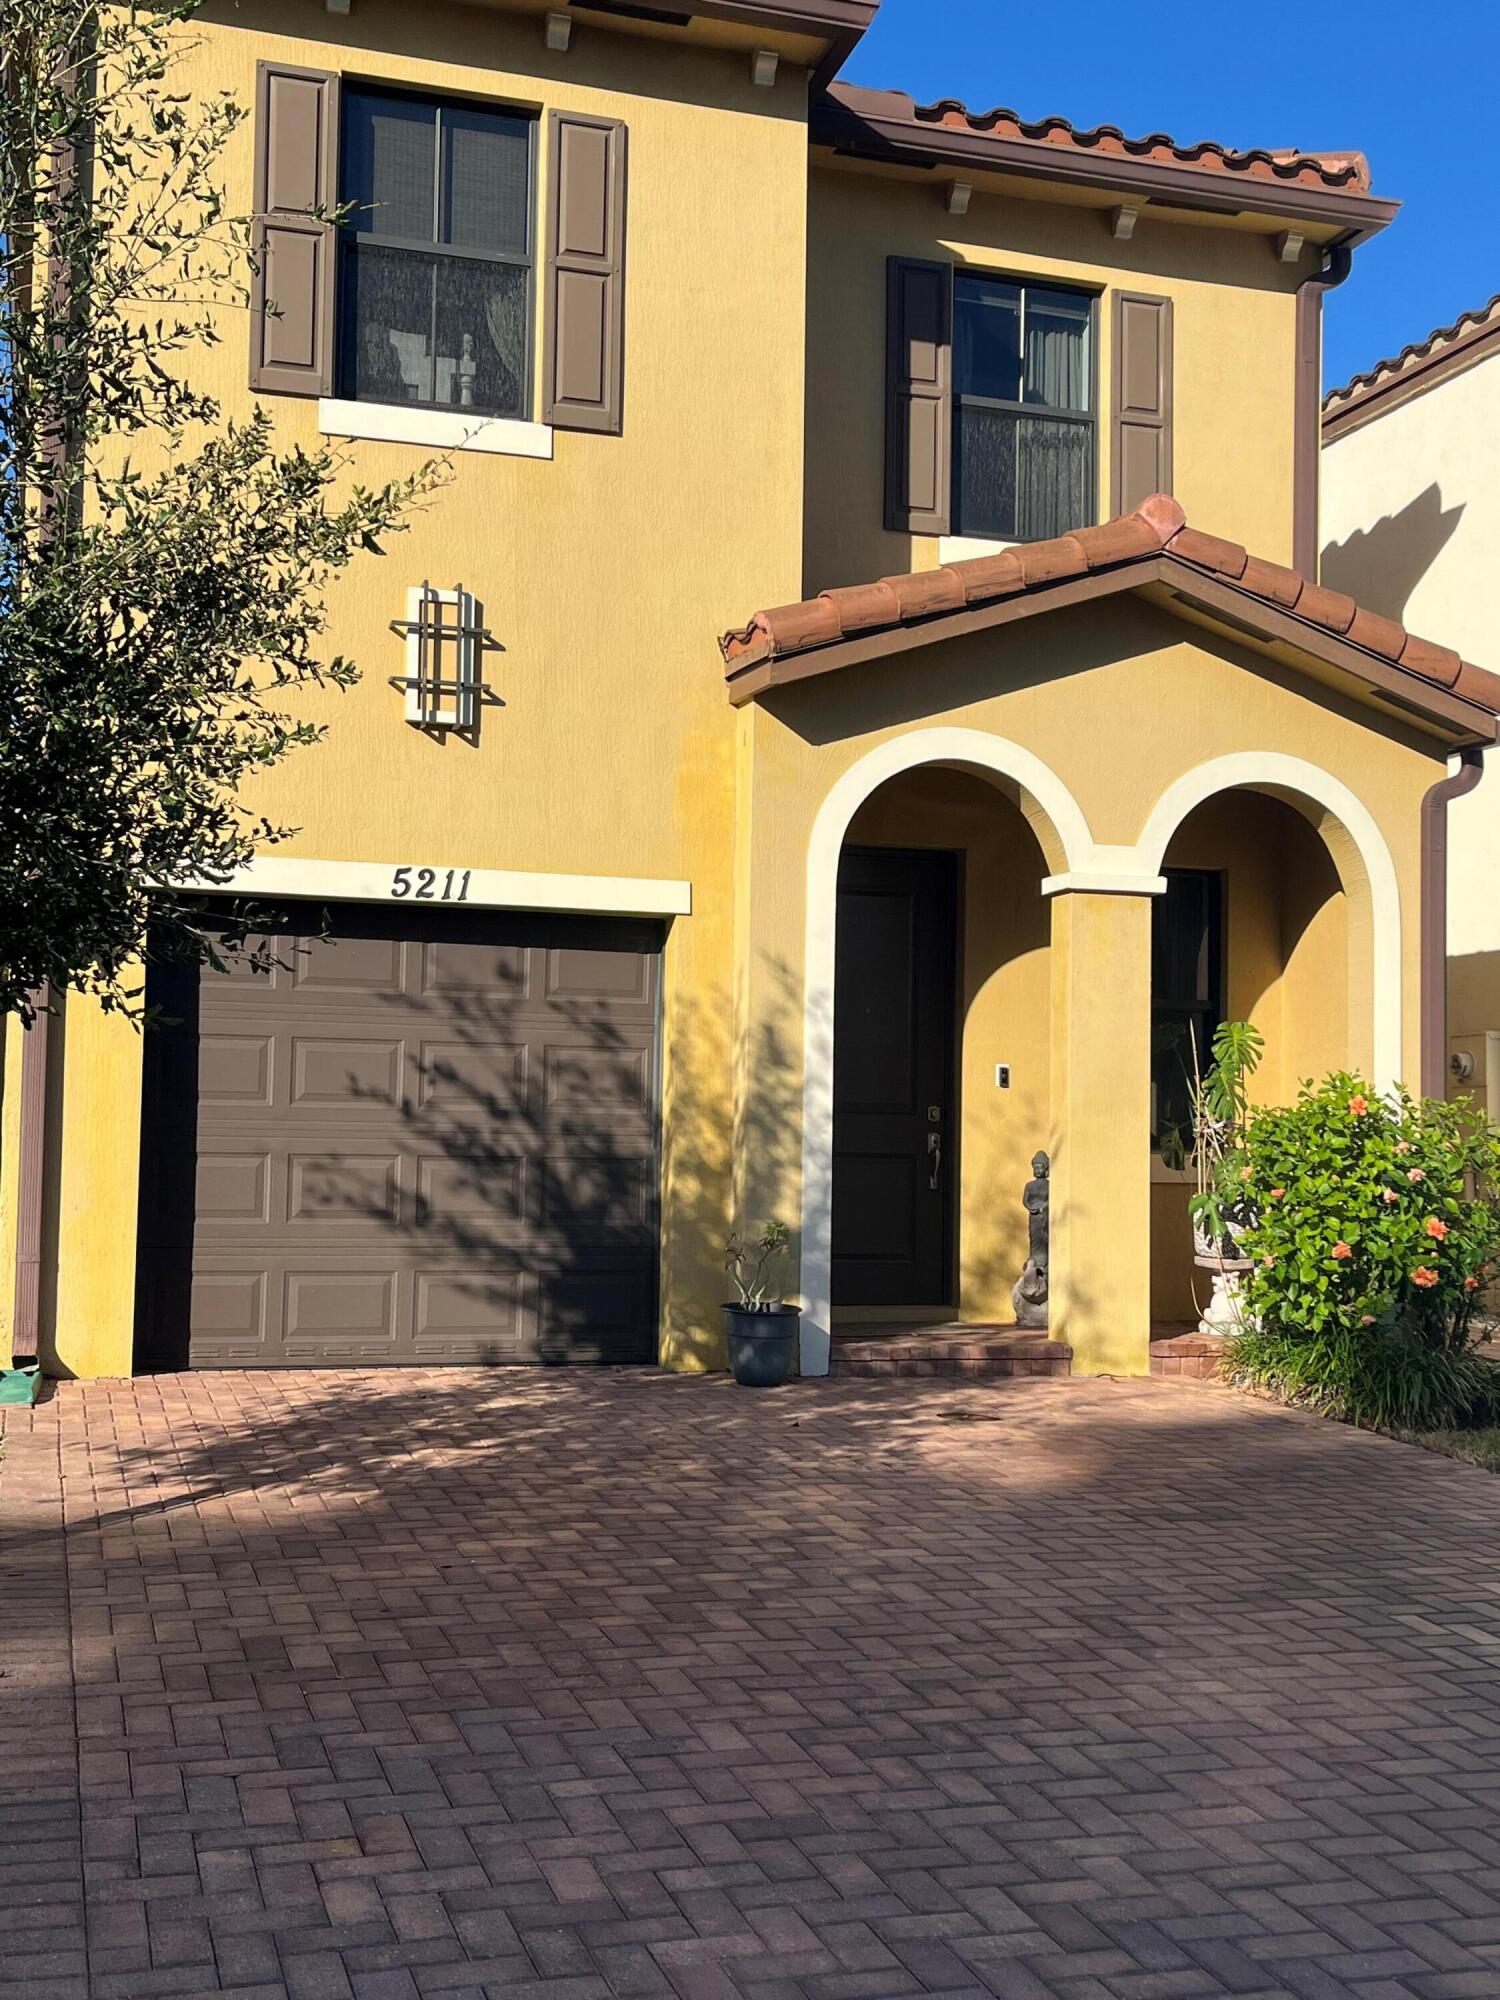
(1193, 1356)
(970, 1353)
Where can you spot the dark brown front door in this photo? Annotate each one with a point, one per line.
(893, 1079)
(422, 1137)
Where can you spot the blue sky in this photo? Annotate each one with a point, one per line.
(1417, 89)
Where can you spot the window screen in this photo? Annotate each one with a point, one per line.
(437, 254)
(1187, 993)
(1023, 410)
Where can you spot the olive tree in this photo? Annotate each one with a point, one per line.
(163, 568)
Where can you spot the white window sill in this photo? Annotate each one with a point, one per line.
(438, 430)
(962, 548)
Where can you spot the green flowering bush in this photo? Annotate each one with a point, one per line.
(1373, 1228)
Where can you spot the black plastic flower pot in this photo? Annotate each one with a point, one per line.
(762, 1345)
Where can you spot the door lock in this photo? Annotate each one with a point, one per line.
(934, 1157)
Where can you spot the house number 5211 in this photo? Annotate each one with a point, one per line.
(431, 885)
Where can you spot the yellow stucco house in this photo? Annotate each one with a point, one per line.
(864, 688)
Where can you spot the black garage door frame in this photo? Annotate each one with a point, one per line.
(170, 1090)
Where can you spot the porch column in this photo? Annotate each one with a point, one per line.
(1101, 1126)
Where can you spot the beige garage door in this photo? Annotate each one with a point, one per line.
(419, 1138)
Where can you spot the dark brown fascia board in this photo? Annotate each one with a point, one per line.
(841, 22)
(1244, 615)
(1415, 379)
(898, 142)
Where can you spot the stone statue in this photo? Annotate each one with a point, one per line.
(1029, 1296)
(468, 368)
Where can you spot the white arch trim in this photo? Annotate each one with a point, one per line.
(1274, 769)
(981, 751)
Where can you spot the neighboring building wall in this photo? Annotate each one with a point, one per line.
(1234, 322)
(1411, 526)
(605, 574)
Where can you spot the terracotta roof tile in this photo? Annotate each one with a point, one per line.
(1156, 529)
(1464, 329)
(1342, 172)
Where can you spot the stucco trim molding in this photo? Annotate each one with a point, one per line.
(436, 430)
(276, 876)
(1124, 880)
(1276, 772)
(1062, 827)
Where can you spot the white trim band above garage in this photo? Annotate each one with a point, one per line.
(439, 430)
(432, 885)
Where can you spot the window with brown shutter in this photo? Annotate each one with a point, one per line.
(1143, 399)
(585, 324)
(296, 165)
(919, 396)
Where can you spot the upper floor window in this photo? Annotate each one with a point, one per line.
(1023, 410)
(436, 284)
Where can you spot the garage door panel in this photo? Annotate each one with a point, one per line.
(357, 965)
(488, 1075)
(475, 1185)
(574, 974)
(343, 1189)
(234, 1187)
(235, 1069)
(339, 1070)
(427, 1137)
(501, 973)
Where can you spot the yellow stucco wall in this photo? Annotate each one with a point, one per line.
(1410, 524)
(1234, 313)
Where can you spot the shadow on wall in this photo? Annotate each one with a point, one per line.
(1380, 567)
(1473, 992)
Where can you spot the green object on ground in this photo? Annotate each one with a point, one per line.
(19, 1385)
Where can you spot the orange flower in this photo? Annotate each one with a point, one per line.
(1246, 1172)
(1367, 1319)
(1388, 1195)
(1436, 1229)
(1424, 1277)
(1416, 1174)
(1342, 1250)
(1358, 1106)
(1403, 1145)
(1277, 1193)
(1471, 1284)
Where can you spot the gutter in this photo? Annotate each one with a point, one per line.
(1307, 407)
(1434, 926)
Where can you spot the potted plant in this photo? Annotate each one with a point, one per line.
(1219, 1099)
(762, 1330)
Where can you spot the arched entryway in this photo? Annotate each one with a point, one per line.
(1015, 824)
(1279, 908)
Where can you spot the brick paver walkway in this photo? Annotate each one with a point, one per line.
(529, 1685)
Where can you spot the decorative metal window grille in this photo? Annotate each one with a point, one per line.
(445, 638)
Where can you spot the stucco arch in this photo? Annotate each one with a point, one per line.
(1062, 831)
(1359, 852)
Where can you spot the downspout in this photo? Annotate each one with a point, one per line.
(1307, 406)
(31, 1192)
(1434, 929)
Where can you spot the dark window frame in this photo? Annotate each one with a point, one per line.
(351, 235)
(1085, 419)
(1207, 1015)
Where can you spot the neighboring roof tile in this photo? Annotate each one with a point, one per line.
(1446, 347)
(1279, 167)
(1158, 528)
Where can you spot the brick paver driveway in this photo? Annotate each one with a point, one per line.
(583, 1686)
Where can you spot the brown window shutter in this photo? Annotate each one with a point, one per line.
(919, 397)
(584, 388)
(296, 173)
(1143, 399)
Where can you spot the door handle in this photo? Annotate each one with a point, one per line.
(934, 1158)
